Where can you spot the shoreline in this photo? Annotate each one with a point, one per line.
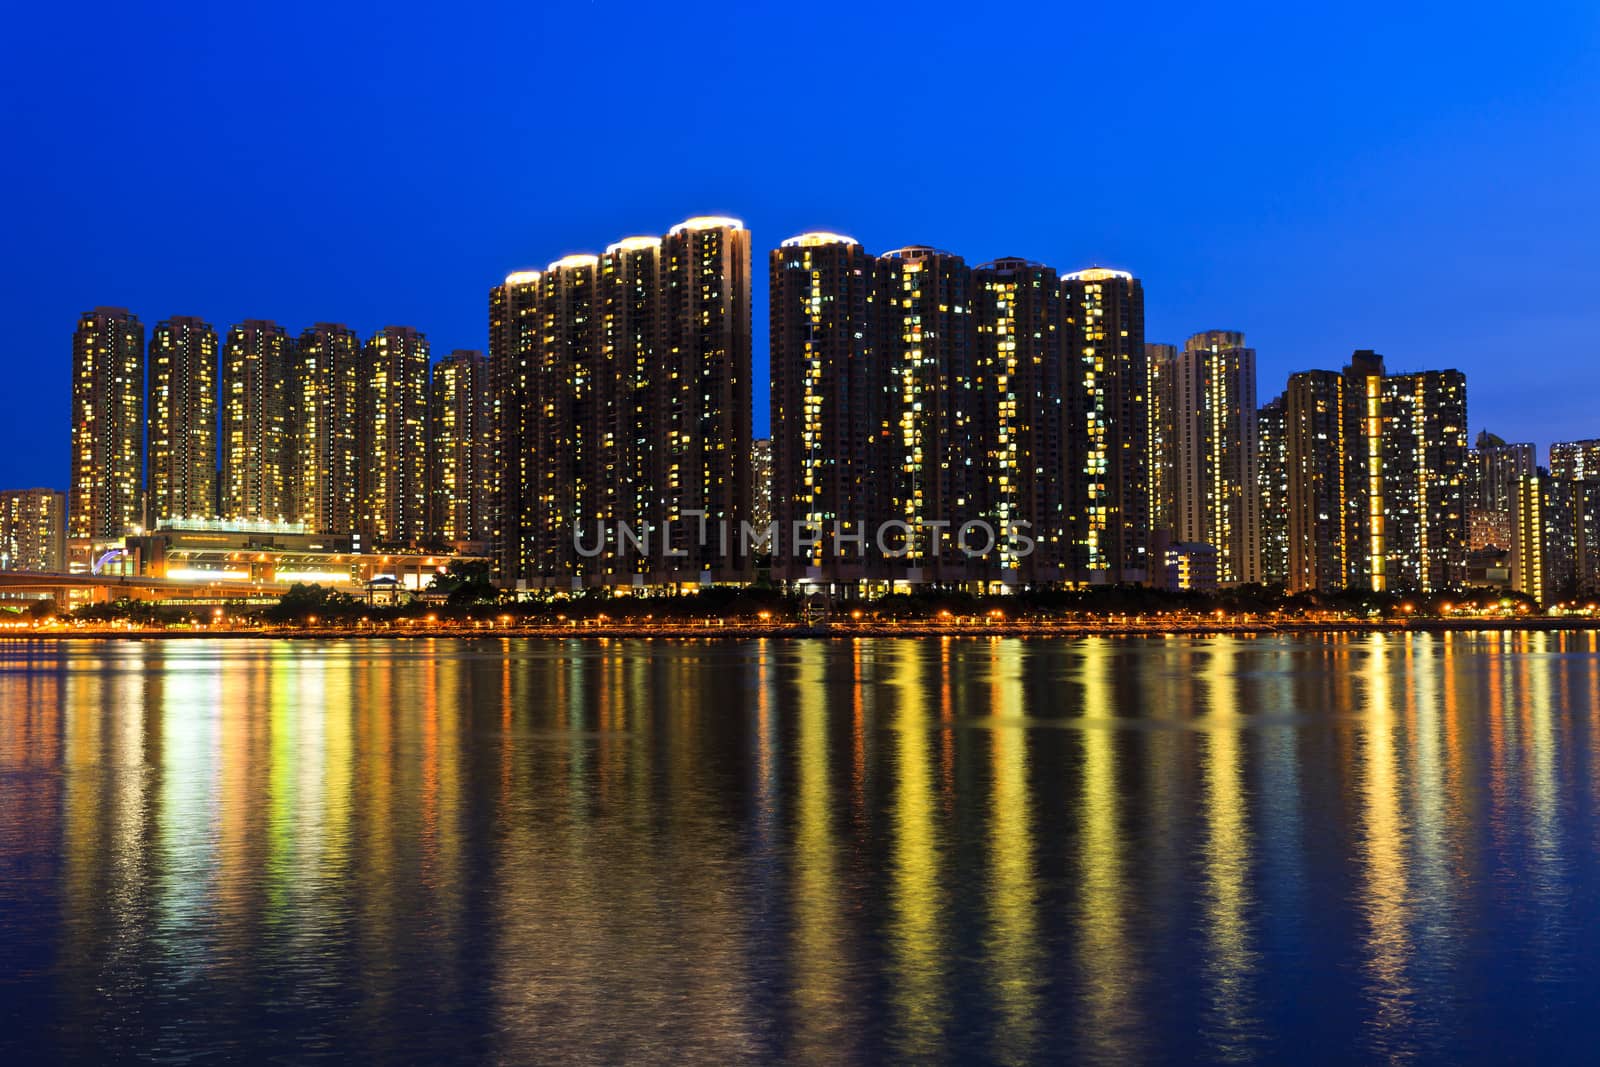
(827, 631)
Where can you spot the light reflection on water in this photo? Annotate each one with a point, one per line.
(1225, 850)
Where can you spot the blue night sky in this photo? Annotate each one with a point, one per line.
(1422, 182)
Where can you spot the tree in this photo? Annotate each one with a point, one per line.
(301, 601)
(465, 581)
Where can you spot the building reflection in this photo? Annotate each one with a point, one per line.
(617, 928)
(1012, 945)
(823, 1000)
(1113, 1021)
(916, 963)
(1382, 844)
(812, 850)
(1226, 854)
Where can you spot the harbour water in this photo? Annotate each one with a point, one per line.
(1374, 848)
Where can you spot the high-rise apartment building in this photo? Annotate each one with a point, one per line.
(622, 390)
(1378, 478)
(1495, 471)
(459, 442)
(391, 438)
(1425, 478)
(1019, 457)
(926, 340)
(1317, 466)
(515, 341)
(33, 530)
(1366, 521)
(1218, 498)
(257, 357)
(1577, 461)
(567, 435)
(919, 394)
(1272, 427)
(182, 448)
(1586, 537)
(1160, 399)
(825, 400)
(761, 482)
(108, 428)
(706, 412)
(324, 390)
(1106, 389)
(632, 401)
(1544, 547)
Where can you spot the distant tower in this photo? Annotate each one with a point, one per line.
(565, 439)
(33, 527)
(391, 437)
(622, 395)
(256, 360)
(632, 314)
(108, 379)
(824, 397)
(1577, 461)
(182, 409)
(1161, 435)
(1272, 428)
(703, 403)
(323, 390)
(925, 345)
(1318, 463)
(458, 448)
(1425, 478)
(1107, 382)
(761, 482)
(1218, 499)
(1020, 454)
(515, 327)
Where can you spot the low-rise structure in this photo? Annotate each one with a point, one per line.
(275, 556)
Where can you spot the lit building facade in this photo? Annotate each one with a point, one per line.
(459, 441)
(1425, 478)
(324, 390)
(1317, 465)
(264, 559)
(1107, 380)
(926, 341)
(515, 334)
(1160, 433)
(825, 400)
(1218, 499)
(566, 431)
(919, 394)
(1577, 461)
(392, 438)
(1495, 470)
(105, 500)
(622, 396)
(181, 453)
(1586, 536)
(632, 400)
(1187, 567)
(256, 360)
(33, 530)
(1366, 518)
(1379, 478)
(1272, 428)
(706, 412)
(1544, 546)
(1020, 458)
(761, 482)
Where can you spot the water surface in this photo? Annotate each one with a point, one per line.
(1329, 849)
